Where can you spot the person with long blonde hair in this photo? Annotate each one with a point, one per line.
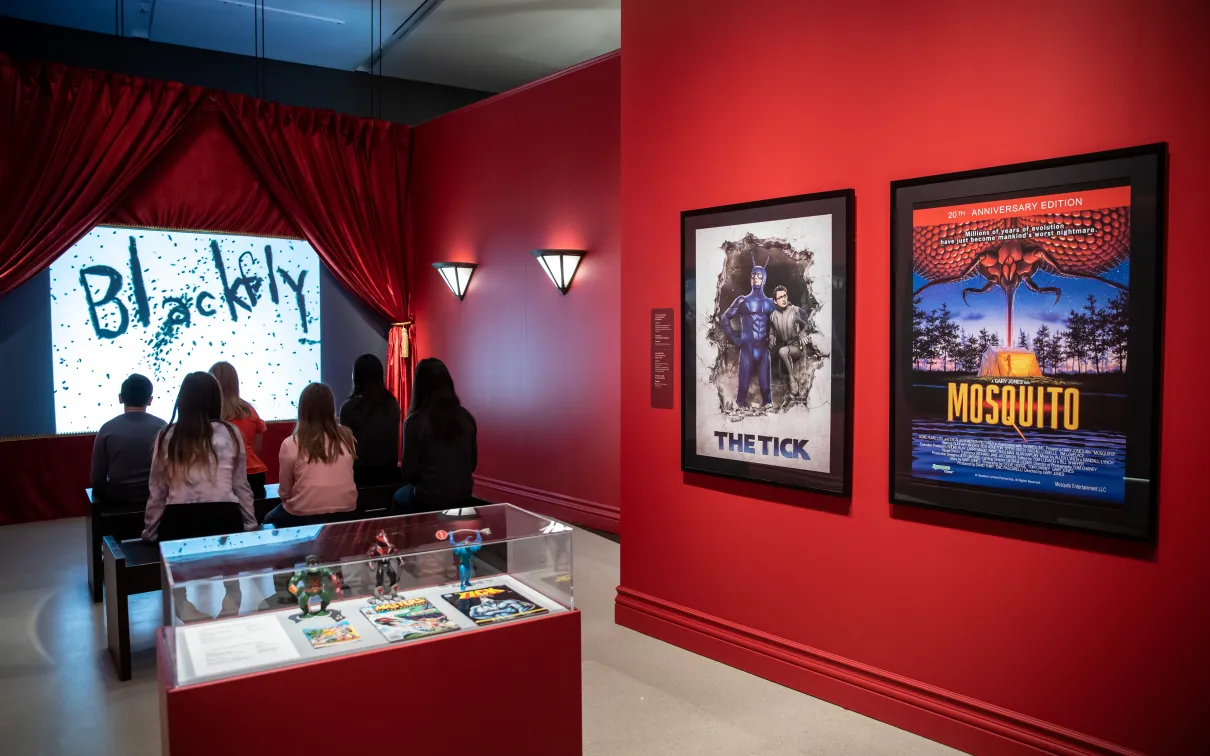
(198, 459)
(316, 464)
(243, 415)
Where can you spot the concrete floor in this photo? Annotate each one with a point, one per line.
(59, 694)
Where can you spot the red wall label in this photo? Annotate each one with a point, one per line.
(661, 358)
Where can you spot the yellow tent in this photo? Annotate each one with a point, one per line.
(1009, 362)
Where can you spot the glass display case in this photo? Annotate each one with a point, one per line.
(255, 601)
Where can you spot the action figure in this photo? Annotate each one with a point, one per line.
(465, 550)
(788, 329)
(753, 310)
(311, 584)
(384, 569)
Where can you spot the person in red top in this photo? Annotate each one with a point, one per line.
(243, 416)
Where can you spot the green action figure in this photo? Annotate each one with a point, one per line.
(312, 583)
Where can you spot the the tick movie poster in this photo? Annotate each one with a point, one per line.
(766, 324)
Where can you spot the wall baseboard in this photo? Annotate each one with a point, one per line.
(935, 713)
(576, 511)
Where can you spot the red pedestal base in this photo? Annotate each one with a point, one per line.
(510, 690)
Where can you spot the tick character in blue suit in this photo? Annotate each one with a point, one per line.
(753, 310)
(465, 550)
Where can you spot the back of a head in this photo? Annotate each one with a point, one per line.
(190, 443)
(136, 391)
(228, 381)
(320, 438)
(433, 395)
(368, 382)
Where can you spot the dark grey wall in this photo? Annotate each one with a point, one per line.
(348, 329)
(27, 381)
(349, 92)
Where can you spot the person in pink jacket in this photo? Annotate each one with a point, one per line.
(315, 471)
(198, 459)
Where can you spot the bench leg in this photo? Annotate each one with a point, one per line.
(95, 579)
(117, 616)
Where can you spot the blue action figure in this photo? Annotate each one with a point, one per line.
(753, 310)
(465, 550)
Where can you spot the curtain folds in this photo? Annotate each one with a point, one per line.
(343, 182)
(80, 147)
(83, 147)
(74, 141)
(202, 182)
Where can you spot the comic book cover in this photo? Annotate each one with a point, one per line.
(493, 604)
(408, 619)
(331, 635)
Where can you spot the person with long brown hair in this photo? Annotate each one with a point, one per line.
(440, 450)
(198, 459)
(243, 416)
(316, 464)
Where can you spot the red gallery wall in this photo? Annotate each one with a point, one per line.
(991, 636)
(532, 168)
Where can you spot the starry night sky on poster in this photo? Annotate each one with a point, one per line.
(1032, 310)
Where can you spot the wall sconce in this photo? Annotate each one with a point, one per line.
(456, 275)
(560, 265)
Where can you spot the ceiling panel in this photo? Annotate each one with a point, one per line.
(90, 15)
(495, 45)
(489, 45)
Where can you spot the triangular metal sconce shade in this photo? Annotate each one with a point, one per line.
(560, 265)
(456, 275)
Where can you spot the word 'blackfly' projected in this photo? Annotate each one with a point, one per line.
(166, 303)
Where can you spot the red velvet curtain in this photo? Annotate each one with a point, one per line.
(343, 181)
(77, 148)
(202, 182)
(73, 141)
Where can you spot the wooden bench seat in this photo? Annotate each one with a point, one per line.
(104, 519)
(132, 566)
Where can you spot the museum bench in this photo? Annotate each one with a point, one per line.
(120, 520)
(124, 520)
(132, 566)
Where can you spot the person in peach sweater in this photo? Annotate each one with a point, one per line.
(315, 473)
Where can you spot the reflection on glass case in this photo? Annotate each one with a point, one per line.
(254, 601)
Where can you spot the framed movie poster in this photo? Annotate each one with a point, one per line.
(1025, 340)
(766, 312)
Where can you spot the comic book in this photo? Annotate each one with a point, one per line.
(408, 619)
(330, 635)
(493, 604)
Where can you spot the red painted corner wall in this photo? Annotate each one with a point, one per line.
(538, 167)
(736, 101)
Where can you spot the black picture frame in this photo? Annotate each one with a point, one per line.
(840, 204)
(1133, 415)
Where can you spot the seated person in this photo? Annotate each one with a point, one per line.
(243, 415)
(439, 447)
(315, 473)
(121, 453)
(197, 459)
(373, 416)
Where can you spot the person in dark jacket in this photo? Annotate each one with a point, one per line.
(373, 416)
(121, 453)
(439, 445)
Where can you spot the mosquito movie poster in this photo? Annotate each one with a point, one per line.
(766, 319)
(1025, 340)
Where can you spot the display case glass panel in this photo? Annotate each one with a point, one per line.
(254, 601)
